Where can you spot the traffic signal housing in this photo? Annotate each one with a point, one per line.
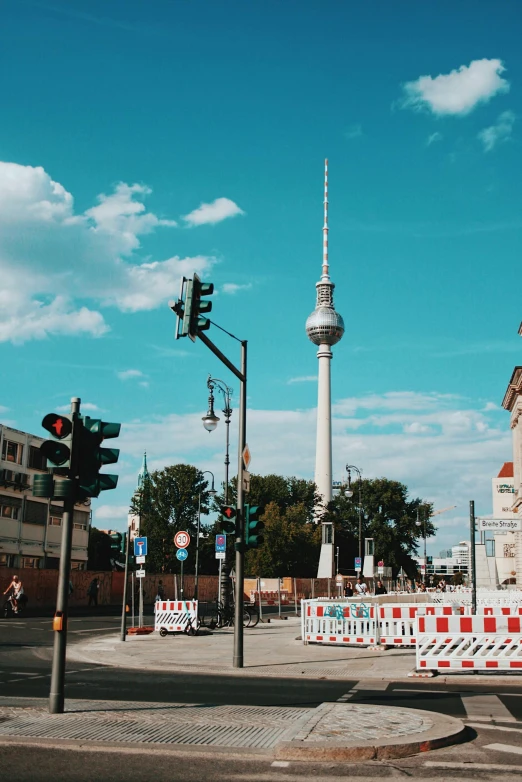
(194, 307)
(253, 526)
(228, 522)
(92, 457)
(59, 450)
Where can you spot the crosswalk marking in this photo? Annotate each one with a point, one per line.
(504, 748)
(485, 708)
(469, 766)
(421, 691)
(369, 684)
(485, 726)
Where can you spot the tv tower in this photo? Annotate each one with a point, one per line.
(324, 327)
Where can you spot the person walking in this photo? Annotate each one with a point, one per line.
(92, 591)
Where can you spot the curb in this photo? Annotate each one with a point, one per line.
(444, 731)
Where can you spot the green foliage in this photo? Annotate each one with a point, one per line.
(168, 502)
(387, 515)
(99, 550)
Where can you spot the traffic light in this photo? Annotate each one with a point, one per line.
(59, 455)
(194, 307)
(253, 526)
(91, 457)
(228, 523)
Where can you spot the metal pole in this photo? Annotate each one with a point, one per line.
(260, 604)
(133, 588)
(279, 597)
(295, 595)
(196, 583)
(181, 582)
(124, 607)
(56, 695)
(140, 608)
(219, 580)
(425, 558)
(473, 559)
(240, 575)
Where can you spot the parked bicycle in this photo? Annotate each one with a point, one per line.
(221, 615)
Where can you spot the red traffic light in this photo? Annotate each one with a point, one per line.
(58, 425)
(228, 511)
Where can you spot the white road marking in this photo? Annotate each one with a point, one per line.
(280, 763)
(504, 748)
(22, 673)
(418, 689)
(344, 698)
(486, 708)
(485, 726)
(367, 684)
(471, 766)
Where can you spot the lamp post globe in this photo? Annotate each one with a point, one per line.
(210, 421)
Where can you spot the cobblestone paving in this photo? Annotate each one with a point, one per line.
(352, 722)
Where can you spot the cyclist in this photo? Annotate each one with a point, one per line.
(17, 590)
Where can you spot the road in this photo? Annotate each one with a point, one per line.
(25, 653)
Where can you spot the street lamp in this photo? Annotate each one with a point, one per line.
(349, 493)
(212, 492)
(420, 523)
(210, 420)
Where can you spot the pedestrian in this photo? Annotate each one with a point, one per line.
(360, 587)
(160, 592)
(380, 589)
(92, 591)
(348, 590)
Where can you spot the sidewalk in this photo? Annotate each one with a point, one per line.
(269, 650)
(333, 731)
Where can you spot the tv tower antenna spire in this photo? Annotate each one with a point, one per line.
(324, 327)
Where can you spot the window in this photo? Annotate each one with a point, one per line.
(6, 560)
(12, 452)
(33, 562)
(55, 521)
(37, 460)
(10, 507)
(77, 565)
(35, 512)
(80, 519)
(79, 526)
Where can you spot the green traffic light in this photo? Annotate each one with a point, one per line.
(253, 526)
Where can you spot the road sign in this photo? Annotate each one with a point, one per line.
(507, 525)
(380, 570)
(246, 480)
(140, 560)
(246, 456)
(181, 554)
(338, 579)
(221, 543)
(140, 547)
(221, 554)
(181, 540)
(358, 563)
(140, 573)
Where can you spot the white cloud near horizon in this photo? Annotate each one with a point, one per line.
(58, 267)
(233, 287)
(433, 137)
(354, 131)
(213, 213)
(128, 374)
(88, 407)
(499, 132)
(111, 512)
(301, 379)
(458, 92)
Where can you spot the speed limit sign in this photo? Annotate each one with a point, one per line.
(181, 539)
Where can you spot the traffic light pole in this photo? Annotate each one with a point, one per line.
(56, 695)
(123, 635)
(241, 375)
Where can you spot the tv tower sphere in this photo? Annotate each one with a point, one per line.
(324, 325)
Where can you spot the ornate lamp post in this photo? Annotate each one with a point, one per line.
(211, 420)
(212, 492)
(422, 523)
(349, 493)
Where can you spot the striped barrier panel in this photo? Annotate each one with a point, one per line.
(338, 623)
(509, 610)
(175, 616)
(469, 642)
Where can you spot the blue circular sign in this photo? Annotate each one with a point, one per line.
(181, 554)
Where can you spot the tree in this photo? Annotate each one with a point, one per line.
(388, 516)
(166, 503)
(99, 550)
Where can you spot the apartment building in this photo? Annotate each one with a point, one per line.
(31, 527)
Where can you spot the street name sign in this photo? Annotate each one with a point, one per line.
(221, 554)
(506, 525)
(181, 554)
(181, 540)
(140, 547)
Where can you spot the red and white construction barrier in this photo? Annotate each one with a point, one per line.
(175, 616)
(338, 623)
(469, 642)
(270, 598)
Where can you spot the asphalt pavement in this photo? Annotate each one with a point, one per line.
(492, 711)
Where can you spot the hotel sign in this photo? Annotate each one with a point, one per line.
(503, 497)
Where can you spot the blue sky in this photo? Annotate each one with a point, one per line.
(140, 141)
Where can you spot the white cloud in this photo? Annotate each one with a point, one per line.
(433, 137)
(127, 374)
(458, 92)
(88, 407)
(52, 260)
(233, 287)
(212, 213)
(111, 512)
(302, 379)
(500, 131)
(3, 409)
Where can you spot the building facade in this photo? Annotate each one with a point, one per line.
(513, 403)
(31, 527)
